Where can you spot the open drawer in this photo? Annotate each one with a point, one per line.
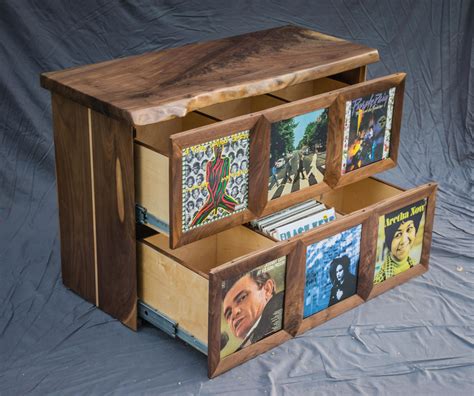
(207, 172)
(184, 289)
(236, 294)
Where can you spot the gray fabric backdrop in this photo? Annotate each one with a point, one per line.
(418, 337)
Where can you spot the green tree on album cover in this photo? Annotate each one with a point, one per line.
(282, 140)
(297, 152)
(316, 132)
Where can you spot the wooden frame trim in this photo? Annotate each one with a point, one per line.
(244, 264)
(204, 134)
(365, 258)
(283, 112)
(335, 177)
(427, 191)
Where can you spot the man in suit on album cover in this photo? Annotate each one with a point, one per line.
(252, 308)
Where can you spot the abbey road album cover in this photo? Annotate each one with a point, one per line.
(297, 153)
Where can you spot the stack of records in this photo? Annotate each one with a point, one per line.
(294, 220)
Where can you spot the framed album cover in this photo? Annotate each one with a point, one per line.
(213, 178)
(295, 149)
(365, 129)
(335, 259)
(250, 306)
(403, 238)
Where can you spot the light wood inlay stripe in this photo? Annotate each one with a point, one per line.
(94, 228)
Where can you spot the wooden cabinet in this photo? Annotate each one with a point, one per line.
(187, 142)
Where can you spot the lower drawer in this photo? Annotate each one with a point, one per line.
(238, 293)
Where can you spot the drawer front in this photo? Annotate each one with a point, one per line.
(382, 243)
(292, 152)
(403, 228)
(251, 306)
(214, 178)
(297, 284)
(364, 130)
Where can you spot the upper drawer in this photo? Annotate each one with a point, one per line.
(232, 162)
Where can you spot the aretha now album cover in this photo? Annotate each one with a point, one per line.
(400, 240)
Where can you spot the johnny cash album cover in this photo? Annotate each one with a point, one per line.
(252, 306)
(367, 126)
(215, 179)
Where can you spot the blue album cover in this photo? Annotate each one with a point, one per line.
(331, 270)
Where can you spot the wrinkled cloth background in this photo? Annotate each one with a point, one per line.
(416, 338)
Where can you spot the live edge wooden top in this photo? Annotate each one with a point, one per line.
(158, 86)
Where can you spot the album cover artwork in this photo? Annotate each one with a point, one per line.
(215, 180)
(297, 153)
(367, 127)
(400, 240)
(331, 270)
(252, 306)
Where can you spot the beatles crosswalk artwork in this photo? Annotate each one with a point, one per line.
(283, 183)
(297, 153)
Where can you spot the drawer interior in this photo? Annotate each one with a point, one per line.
(151, 156)
(309, 88)
(359, 195)
(156, 136)
(175, 282)
(152, 141)
(239, 107)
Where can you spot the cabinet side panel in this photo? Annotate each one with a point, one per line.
(114, 193)
(73, 174)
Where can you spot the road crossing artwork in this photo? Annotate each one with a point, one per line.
(297, 153)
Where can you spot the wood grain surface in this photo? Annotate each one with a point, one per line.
(161, 85)
(114, 195)
(73, 173)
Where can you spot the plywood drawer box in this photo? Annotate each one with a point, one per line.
(171, 157)
(197, 292)
(193, 146)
